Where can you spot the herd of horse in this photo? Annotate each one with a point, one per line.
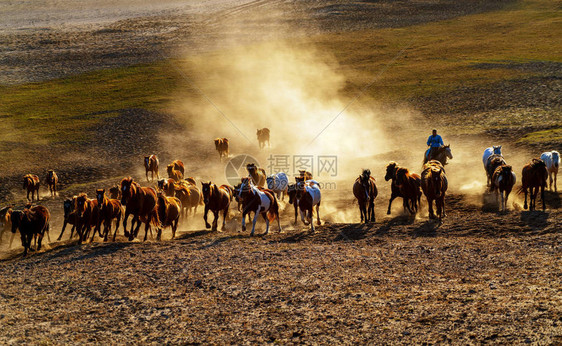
(175, 197)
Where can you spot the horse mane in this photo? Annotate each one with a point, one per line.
(536, 163)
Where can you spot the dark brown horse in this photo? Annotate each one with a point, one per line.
(441, 154)
(534, 177)
(263, 136)
(503, 180)
(190, 197)
(52, 181)
(305, 174)
(87, 211)
(258, 175)
(169, 209)
(115, 192)
(174, 173)
(151, 165)
(141, 203)
(216, 199)
(32, 222)
(434, 185)
(167, 185)
(493, 162)
(6, 220)
(365, 191)
(31, 183)
(109, 210)
(70, 216)
(221, 145)
(292, 192)
(391, 169)
(259, 201)
(409, 185)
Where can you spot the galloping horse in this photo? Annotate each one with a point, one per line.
(87, 211)
(174, 173)
(169, 209)
(6, 220)
(365, 190)
(216, 199)
(494, 161)
(166, 185)
(31, 222)
(278, 183)
(140, 202)
(260, 201)
(31, 183)
(441, 155)
(409, 185)
(533, 177)
(305, 174)
(109, 210)
(221, 145)
(263, 136)
(391, 169)
(503, 180)
(308, 196)
(189, 196)
(259, 178)
(434, 185)
(52, 180)
(151, 165)
(115, 192)
(552, 161)
(493, 150)
(70, 216)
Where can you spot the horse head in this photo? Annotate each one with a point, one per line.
(448, 151)
(292, 192)
(67, 206)
(497, 149)
(245, 186)
(100, 195)
(206, 191)
(26, 180)
(81, 204)
(252, 168)
(126, 187)
(270, 182)
(17, 218)
(390, 171)
(555, 158)
(147, 161)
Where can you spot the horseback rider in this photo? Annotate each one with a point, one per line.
(434, 141)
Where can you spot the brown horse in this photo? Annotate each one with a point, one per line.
(216, 199)
(115, 192)
(533, 177)
(52, 181)
(503, 180)
(441, 154)
(365, 191)
(139, 202)
(169, 209)
(434, 185)
(305, 174)
(190, 198)
(292, 193)
(493, 162)
(151, 165)
(409, 185)
(259, 178)
(263, 136)
(109, 210)
(32, 222)
(259, 201)
(391, 169)
(221, 145)
(174, 173)
(6, 220)
(87, 210)
(167, 185)
(31, 183)
(70, 216)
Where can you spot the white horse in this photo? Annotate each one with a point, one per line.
(552, 161)
(308, 197)
(278, 183)
(496, 149)
(261, 202)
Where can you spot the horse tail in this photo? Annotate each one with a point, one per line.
(273, 211)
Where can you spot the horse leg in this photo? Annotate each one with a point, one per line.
(542, 198)
(215, 220)
(243, 221)
(205, 217)
(266, 223)
(302, 216)
(124, 224)
(135, 233)
(392, 197)
(224, 215)
(430, 205)
(63, 227)
(116, 227)
(296, 211)
(525, 203)
(317, 214)
(256, 215)
(309, 218)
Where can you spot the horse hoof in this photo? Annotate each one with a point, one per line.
(388, 212)
(207, 225)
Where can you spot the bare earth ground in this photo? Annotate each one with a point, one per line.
(479, 277)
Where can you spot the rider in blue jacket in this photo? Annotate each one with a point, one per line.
(434, 141)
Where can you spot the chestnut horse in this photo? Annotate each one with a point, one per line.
(259, 201)
(70, 216)
(52, 180)
(31, 183)
(31, 222)
(503, 180)
(494, 161)
(391, 169)
(434, 185)
(87, 211)
(6, 220)
(167, 185)
(189, 196)
(305, 174)
(169, 209)
(533, 177)
(174, 173)
(409, 185)
(365, 191)
(178, 165)
(109, 210)
(139, 202)
(216, 199)
(151, 165)
(308, 196)
(259, 178)
(263, 136)
(114, 192)
(221, 145)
